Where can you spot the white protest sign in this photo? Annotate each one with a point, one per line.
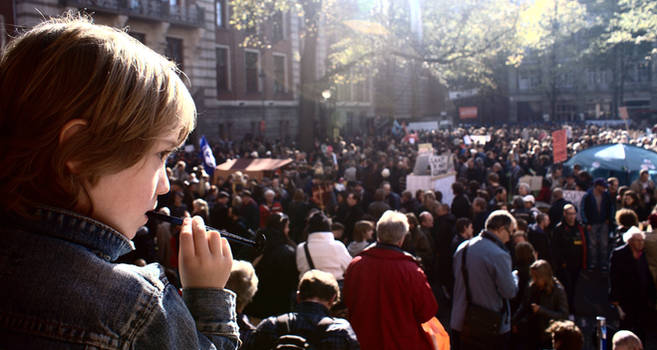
(574, 197)
(535, 182)
(441, 164)
(480, 139)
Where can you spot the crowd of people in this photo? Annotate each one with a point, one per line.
(352, 259)
(353, 183)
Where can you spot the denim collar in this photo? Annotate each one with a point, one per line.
(104, 241)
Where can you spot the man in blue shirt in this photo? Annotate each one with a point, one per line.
(490, 281)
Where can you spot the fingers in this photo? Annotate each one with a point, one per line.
(215, 243)
(200, 238)
(225, 247)
(186, 239)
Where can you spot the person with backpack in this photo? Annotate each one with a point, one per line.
(309, 326)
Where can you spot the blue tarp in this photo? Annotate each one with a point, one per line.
(620, 160)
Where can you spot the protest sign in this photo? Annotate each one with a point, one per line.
(559, 144)
(574, 197)
(535, 182)
(424, 147)
(441, 164)
(480, 139)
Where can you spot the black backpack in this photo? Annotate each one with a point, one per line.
(290, 341)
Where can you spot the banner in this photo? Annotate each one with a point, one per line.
(209, 163)
(468, 112)
(559, 144)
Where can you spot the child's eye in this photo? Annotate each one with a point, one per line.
(164, 155)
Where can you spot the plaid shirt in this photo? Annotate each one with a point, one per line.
(304, 322)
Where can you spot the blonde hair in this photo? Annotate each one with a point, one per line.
(68, 68)
(243, 281)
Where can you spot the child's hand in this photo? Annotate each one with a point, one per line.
(204, 259)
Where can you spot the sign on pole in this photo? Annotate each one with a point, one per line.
(559, 144)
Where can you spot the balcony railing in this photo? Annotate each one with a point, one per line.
(155, 10)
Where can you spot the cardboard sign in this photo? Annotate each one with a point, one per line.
(559, 144)
(441, 164)
(441, 183)
(535, 182)
(468, 112)
(424, 147)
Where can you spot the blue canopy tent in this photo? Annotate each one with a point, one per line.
(620, 160)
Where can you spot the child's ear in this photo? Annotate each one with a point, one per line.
(68, 130)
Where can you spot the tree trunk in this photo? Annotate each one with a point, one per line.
(308, 97)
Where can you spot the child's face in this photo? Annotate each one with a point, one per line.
(369, 234)
(337, 234)
(122, 199)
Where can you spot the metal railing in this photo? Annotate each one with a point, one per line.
(155, 10)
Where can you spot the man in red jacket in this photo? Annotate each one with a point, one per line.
(387, 293)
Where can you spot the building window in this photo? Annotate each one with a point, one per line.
(280, 78)
(223, 69)
(278, 26)
(252, 60)
(221, 23)
(360, 89)
(139, 36)
(366, 88)
(174, 51)
(644, 71)
(528, 80)
(566, 111)
(344, 92)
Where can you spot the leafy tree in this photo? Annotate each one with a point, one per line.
(456, 40)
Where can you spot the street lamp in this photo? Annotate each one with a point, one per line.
(326, 96)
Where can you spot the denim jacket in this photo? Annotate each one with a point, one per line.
(61, 290)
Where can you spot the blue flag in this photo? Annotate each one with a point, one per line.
(209, 163)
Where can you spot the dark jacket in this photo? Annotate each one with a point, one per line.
(556, 212)
(277, 278)
(330, 334)
(444, 233)
(590, 213)
(541, 242)
(553, 306)
(461, 207)
(569, 247)
(632, 285)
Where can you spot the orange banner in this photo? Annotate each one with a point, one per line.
(559, 144)
(468, 112)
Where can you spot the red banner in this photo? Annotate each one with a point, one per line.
(559, 144)
(468, 112)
